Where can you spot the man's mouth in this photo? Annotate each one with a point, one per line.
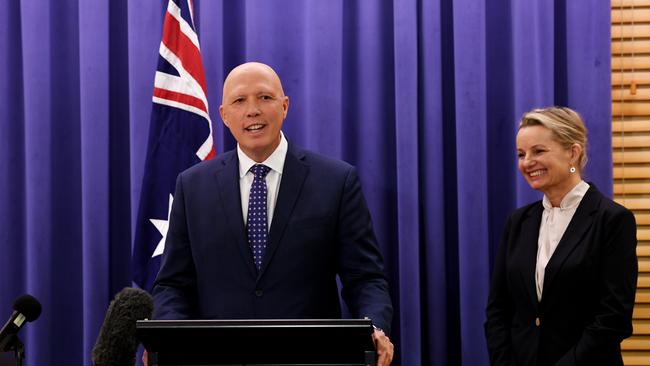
(255, 127)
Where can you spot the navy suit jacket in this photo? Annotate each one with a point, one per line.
(321, 228)
(588, 294)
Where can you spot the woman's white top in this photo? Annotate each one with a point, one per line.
(554, 223)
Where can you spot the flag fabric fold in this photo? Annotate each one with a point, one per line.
(180, 135)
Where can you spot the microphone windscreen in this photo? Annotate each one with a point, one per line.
(28, 306)
(117, 342)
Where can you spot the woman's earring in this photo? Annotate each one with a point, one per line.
(572, 169)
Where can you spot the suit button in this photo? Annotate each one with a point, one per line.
(537, 322)
(259, 293)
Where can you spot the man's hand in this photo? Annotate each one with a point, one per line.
(145, 358)
(384, 347)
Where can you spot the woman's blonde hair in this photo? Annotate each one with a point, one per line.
(565, 123)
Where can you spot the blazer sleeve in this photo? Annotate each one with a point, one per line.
(365, 289)
(174, 291)
(613, 319)
(499, 309)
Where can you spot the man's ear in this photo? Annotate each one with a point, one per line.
(223, 115)
(285, 106)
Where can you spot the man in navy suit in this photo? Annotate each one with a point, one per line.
(262, 231)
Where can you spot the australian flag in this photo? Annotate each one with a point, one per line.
(180, 135)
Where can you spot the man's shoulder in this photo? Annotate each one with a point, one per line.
(308, 157)
(217, 163)
(312, 158)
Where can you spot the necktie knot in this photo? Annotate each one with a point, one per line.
(260, 171)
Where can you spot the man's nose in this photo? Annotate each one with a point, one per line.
(252, 109)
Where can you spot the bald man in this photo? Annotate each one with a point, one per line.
(262, 231)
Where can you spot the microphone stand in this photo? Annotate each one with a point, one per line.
(16, 345)
(19, 352)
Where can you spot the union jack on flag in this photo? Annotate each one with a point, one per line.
(180, 135)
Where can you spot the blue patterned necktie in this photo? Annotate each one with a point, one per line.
(256, 222)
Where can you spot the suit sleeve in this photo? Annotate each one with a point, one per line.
(174, 290)
(365, 289)
(613, 317)
(499, 309)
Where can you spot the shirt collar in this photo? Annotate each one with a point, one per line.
(275, 161)
(571, 199)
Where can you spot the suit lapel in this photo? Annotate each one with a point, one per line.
(228, 187)
(293, 176)
(529, 239)
(578, 226)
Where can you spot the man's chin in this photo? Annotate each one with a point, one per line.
(257, 152)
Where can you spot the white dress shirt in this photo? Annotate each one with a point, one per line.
(276, 162)
(554, 223)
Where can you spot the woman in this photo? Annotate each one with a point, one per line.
(565, 275)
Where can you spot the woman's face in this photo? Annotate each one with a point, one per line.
(544, 162)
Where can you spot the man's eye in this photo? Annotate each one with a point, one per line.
(265, 97)
(521, 155)
(238, 100)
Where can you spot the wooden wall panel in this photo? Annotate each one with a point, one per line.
(631, 149)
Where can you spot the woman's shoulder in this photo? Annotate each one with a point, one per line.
(606, 210)
(527, 210)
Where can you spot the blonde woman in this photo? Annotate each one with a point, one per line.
(565, 275)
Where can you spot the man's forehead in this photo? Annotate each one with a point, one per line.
(250, 86)
(248, 80)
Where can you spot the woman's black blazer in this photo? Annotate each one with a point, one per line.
(588, 295)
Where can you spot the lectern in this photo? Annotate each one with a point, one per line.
(258, 342)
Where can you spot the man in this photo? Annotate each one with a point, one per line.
(263, 230)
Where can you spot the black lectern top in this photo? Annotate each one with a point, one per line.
(258, 342)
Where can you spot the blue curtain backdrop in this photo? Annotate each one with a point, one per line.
(422, 96)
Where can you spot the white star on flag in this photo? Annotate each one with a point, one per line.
(162, 226)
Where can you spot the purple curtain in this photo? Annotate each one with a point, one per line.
(423, 96)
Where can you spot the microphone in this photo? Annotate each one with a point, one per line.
(26, 308)
(116, 344)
